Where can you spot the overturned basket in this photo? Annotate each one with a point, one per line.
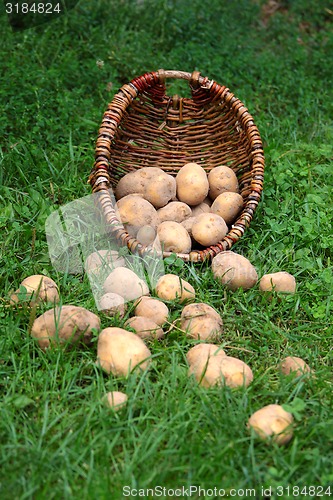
(145, 127)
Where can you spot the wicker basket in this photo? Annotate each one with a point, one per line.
(143, 126)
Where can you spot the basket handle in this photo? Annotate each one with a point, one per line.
(194, 78)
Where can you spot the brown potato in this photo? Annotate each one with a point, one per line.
(222, 179)
(125, 283)
(228, 205)
(208, 229)
(222, 370)
(136, 181)
(160, 189)
(171, 287)
(115, 400)
(272, 421)
(35, 289)
(175, 211)
(112, 304)
(280, 282)
(192, 184)
(296, 366)
(202, 208)
(188, 224)
(174, 237)
(146, 235)
(63, 324)
(200, 353)
(201, 321)
(119, 351)
(234, 271)
(135, 212)
(103, 259)
(146, 328)
(152, 308)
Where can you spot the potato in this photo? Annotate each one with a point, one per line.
(136, 181)
(200, 353)
(135, 212)
(222, 179)
(208, 229)
(188, 224)
(272, 421)
(201, 321)
(234, 271)
(175, 211)
(126, 283)
(112, 304)
(146, 235)
(115, 400)
(202, 208)
(160, 189)
(152, 308)
(296, 366)
(222, 370)
(171, 287)
(228, 205)
(103, 259)
(38, 288)
(174, 237)
(146, 328)
(65, 324)
(280, 282)
(119, 351)
(192, 184)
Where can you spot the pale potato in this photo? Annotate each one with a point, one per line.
(222, 179)
(172, 287)
(280, 282)
(146, 328)
(228, 205)
(152, 308)
(146, 235)
(112, 304)
(65, 324)
(174, 237)
(272, 421)
(126, 283)
(234, 271)
(160, 189)
(208, 229)
(202, 208)
(136, 181)
(120, 352)
(188, 224)
(135, 212)
(200, 353)
(192, 184)
(222, 370)
(201, 321)
(295, 365)
(175, 211)
(115, 400)
(35, 289)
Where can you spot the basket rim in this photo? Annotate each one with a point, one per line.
(100, 180)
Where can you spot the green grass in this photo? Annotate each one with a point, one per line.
(57, 439)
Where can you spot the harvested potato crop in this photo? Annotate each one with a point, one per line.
(222, 370)
(272, 421)
(115, 400)
(201, 321)
(228, 205)
(136, 181)
(146, 328)
(222, 179)
(135, 212)
(202, 208)
(192, 184)
(295, 365)
(126, 283)
(173, 237)
(63, 324)
(234, 271)
(119, 351)
(146, 235)
(112, 304)
(208, 229)
(200, 353)
(38, 288)
(152, 308)
(172, 287)
(160, 189)
(280, 282)
(188, 224)
(175, 211)
(99, 264)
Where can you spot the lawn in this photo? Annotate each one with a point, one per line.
(57, 439)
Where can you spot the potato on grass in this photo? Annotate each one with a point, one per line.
(272, 422)
(135, 212)
(115, 400)
(146, 235)
(35, 289)
(222, 370)
(126, 283)
(234, 271)
(65, 324)
(173, 237)
(152, 308)
(295, 365)
(175, 211)
(200, 353)
(228, 205)
(201, 321)
(172, 287)
(208, 229)
(119, 351)
(222, 179)
(192, 184)
(146, 328)
(101, 260)
(280, 282)
(112, 304)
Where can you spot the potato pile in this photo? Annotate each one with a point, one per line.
(178, 214)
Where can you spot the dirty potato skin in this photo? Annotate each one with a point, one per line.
(281, 281)
(228, 205)
(272, 421)
(201, 321)
(39, 288)
(172, 287)
(152, 308)
(222, 179)
(146, 328)
(192, 184)
(173, 237)
(234, 270)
